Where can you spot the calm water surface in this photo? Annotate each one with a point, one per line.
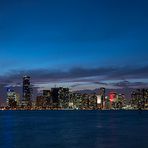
(73, 129)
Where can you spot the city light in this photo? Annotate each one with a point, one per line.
(60, 98)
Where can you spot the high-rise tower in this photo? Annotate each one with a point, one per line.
(27, 92)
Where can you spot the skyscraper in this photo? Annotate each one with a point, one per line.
(11, 98)
(27, 92)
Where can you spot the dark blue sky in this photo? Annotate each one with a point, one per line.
(89, 43)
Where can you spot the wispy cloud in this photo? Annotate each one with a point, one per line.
(128, 84)
(77, 77)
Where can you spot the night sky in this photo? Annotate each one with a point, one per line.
(81, 44)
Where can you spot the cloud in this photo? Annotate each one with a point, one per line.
(88, 83)
(92, 75)
(130, 73)
(128, 84)
(78, 78)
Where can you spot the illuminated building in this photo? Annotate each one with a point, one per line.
(64, 98)
(85, 101)
(17, 98)
(107, 103)
(55, 97)
(139, 99)
(11, 98)
(117, 100)
(121, 102)
(92, 101)
(27, 92)
(99, 100)
(102, 94)
(113, 99)
(112, 96)
(40, 101)
(60, 97)
(47, 98)
(47, 93)
(76, 98)
(145, 97)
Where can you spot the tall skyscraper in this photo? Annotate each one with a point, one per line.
(27, 92)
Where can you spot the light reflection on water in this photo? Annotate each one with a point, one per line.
(74, 129)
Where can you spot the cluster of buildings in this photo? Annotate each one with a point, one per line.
(62, 98)
(139, 99)
(13, 98)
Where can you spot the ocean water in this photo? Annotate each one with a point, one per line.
(73, 129)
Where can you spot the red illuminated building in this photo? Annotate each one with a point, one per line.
(112, 96)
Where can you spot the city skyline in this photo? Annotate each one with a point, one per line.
(59, 98)
(77, 44)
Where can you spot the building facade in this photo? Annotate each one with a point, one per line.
(27, 92)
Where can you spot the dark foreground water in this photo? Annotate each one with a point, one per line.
(73, 129)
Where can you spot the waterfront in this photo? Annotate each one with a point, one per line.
(74, 129)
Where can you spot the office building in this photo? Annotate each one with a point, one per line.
(27, 92)
(12, 98)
